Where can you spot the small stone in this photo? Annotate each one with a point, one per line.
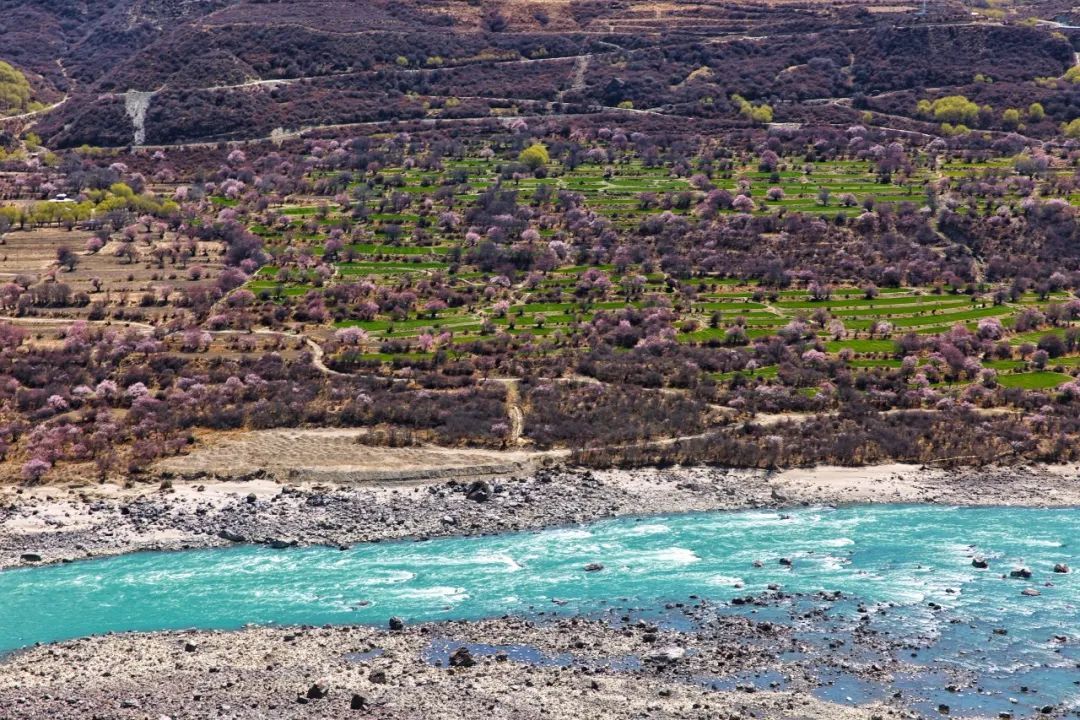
(30, 557)
(377, 676)
(462, 658)
(667, 654)
(358, 702)
(190, 647)
(319, 690)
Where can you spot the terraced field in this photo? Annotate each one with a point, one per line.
(408, 237)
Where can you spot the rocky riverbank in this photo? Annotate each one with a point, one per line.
(572, 668)
(49, 524)
(782, 656)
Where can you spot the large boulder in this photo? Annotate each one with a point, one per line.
(479, 491)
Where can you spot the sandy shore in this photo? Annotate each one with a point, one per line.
(48, 524)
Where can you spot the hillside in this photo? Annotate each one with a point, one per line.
(238, 69)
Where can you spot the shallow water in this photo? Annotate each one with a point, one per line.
(903, 558)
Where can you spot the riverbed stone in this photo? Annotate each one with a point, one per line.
(479, 491)
(666, 655)
(318, 690)
(462, 658)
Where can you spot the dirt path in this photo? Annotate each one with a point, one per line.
(14, 320)
(317, 352)
(577, 80)
(515, 413)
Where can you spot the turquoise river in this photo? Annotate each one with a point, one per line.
(916, 561)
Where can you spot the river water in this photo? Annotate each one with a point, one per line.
(916, 561)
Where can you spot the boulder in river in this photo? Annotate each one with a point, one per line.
(396, 624)
(1030, 592)
(594, 567)
(1061, 568)
(1022, 572)
(786, 562)
(462, 658)
(980, 563)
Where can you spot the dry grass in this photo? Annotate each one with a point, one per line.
(114, 281)
(333, 452)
